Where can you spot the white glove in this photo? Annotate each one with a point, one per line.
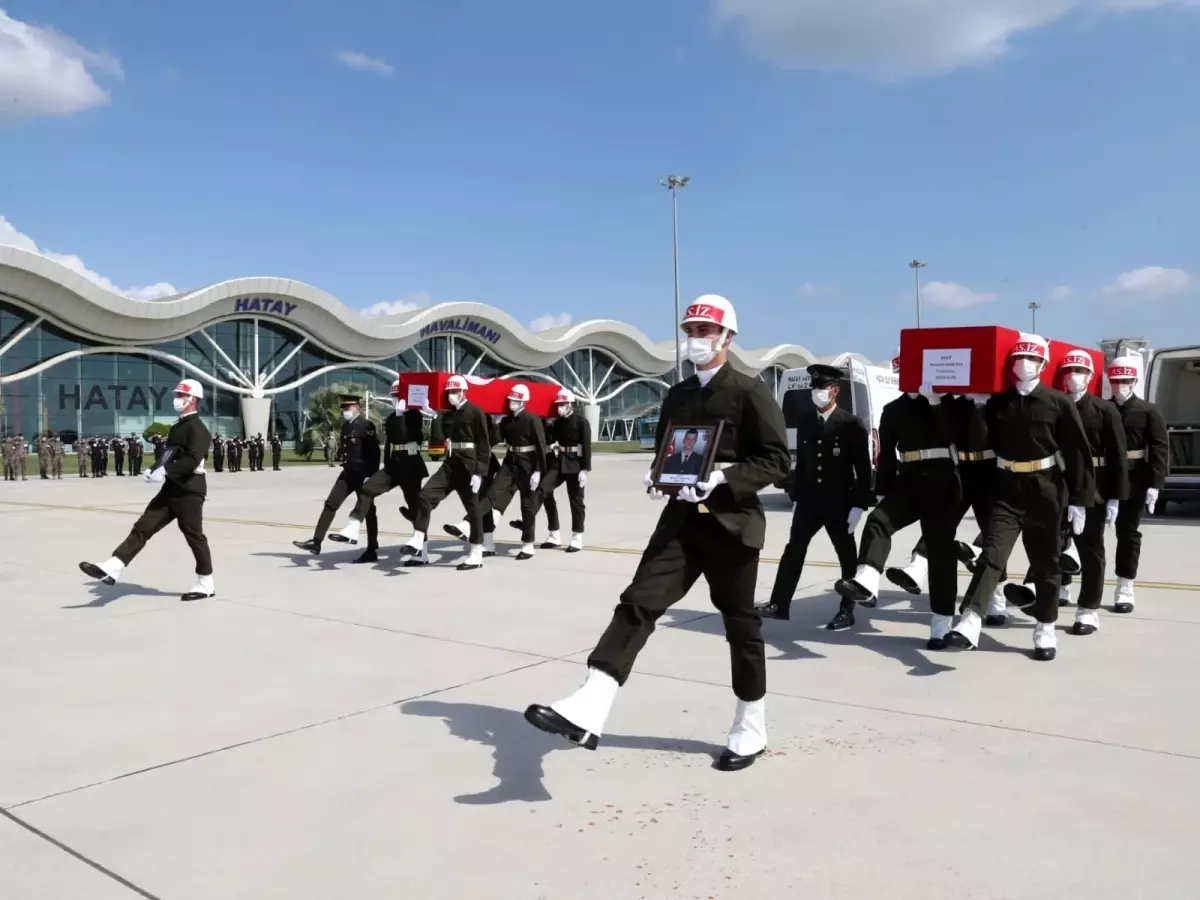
(655, 493)
(412, 447)
(534, 480)
(583, 479)
(852, 519)
(447, 446)
(476, 483)
(702, 489)
(1110, 511)
(1151, 499)
(156, 476)
(648, 481)
(1077, 517)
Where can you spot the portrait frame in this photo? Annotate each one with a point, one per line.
(666, 475)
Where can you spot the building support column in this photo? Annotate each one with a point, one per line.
(592, 412)
(256, 416)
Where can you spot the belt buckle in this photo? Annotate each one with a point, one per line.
(702, 509)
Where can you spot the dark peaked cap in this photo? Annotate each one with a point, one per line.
(825, 376)
(351, 400)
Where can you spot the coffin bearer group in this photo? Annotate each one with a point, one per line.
(1054, 468)
(531, 470)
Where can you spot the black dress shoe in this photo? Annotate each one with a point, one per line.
(734, 762)
(339, 538)
(1122, 607)
(313, 547)
(467, 567)
(956, 641)
(1044, 654)
(91, 570)
(549, 545)
(972, 566)
(849, 589)
(942, 643)
(843, 620)
(517, 524)
(964, 552)
(1083, 630)
(406, 512)
(774, 610)
(1062, 601)
(368, 556)
(1019, 595)
(196, 595)
(523, 555)
(995, 621)
(454, 531)
(545, 719)
(902, 580)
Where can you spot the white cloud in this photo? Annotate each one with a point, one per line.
(365, 63)
(949, 295)
(1060, 292)
(1151, 281)
(550, 321)
(11, 237)
(894, 37)
(44, 73)
(408, 303)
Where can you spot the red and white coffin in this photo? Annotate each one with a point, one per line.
(489, 394)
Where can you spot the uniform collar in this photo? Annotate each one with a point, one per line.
(705, 376)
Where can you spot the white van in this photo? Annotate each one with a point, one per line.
(865, 391)
(1174, 387)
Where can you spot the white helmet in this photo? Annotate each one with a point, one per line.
(395, 392)
(712, 308)
(563, 396)
(1124, 368)
(456, 383)
(1078, 359)
(1031, 346)
(519, 393)
(189, 387)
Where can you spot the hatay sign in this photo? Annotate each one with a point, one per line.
(116, 396)
(264, 305)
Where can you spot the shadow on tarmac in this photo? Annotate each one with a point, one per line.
(104, 594)
(519, 750)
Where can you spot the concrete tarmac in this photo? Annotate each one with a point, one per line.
(327, 730)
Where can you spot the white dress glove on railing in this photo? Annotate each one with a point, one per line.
(1151, 499)
(702, 489)
(583, 479)
(534, 480)
(1111, 508)
(476, 483)
(852, 519)
(1077, 516)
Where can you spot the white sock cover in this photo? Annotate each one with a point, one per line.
(748, 734)
(868, 578)
(589, 706)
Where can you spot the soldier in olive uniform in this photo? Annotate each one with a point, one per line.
(218, 450)
(43, 455)
(118, 449)
(571, 461)
(522, 469)
(714, 529)
(82, 455)
(136, 451)
(831, 491)
(22, 455)
(360, 450)
(276, 451)
(57, 452)
(6, 454)
(403, 467)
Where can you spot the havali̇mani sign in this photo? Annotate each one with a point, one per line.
(112, 396)
(264, 305)
(467, 326)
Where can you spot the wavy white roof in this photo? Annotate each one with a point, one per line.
(83, 307)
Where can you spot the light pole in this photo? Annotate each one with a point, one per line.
(1033, 308)
(916, 265)
(674, 183)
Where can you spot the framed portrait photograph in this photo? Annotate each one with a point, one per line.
(686, 456)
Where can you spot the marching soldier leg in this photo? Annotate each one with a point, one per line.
(896, 511)
(1041, 533)
(999, 538)
(477, 538)
(158, 515)
(1129, 549)
(838, 529)
(189, 516)
(337, 496)
(377, 485)
(576, 499)
(938, 527)
(1091, 579)
(436, 489)
(791, 564)
(528, 511)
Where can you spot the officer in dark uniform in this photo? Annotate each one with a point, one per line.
(1044, 466)
(180, 499)
(831, 491)
(134, 445)
(976, 472)
(1106, 438)
(360, 460)
(118, 449)
(158, 445)
(917, 481)
(1147, 452)
(239, 453)
(716, 529)
(570, 462)
(218, 454)
(403, 467)
(468, 437)
(276, 451)
(98, 458)
(522, 469)
(261, 452)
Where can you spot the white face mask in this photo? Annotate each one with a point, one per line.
(821, 398)
(1123, 391)
(180, 404)
(1076, 382)
(1026, 369)
(348, 415)
(514, 406)
(456, 398)
(564, 410)
(702, 351)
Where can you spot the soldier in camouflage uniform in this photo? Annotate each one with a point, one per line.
(6, 452)
(57, 452)
(43, 454)
(22, 454)
(82, 455)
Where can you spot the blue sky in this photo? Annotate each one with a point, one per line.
(510, 153)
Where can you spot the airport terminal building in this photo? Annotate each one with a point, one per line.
(76, 358)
